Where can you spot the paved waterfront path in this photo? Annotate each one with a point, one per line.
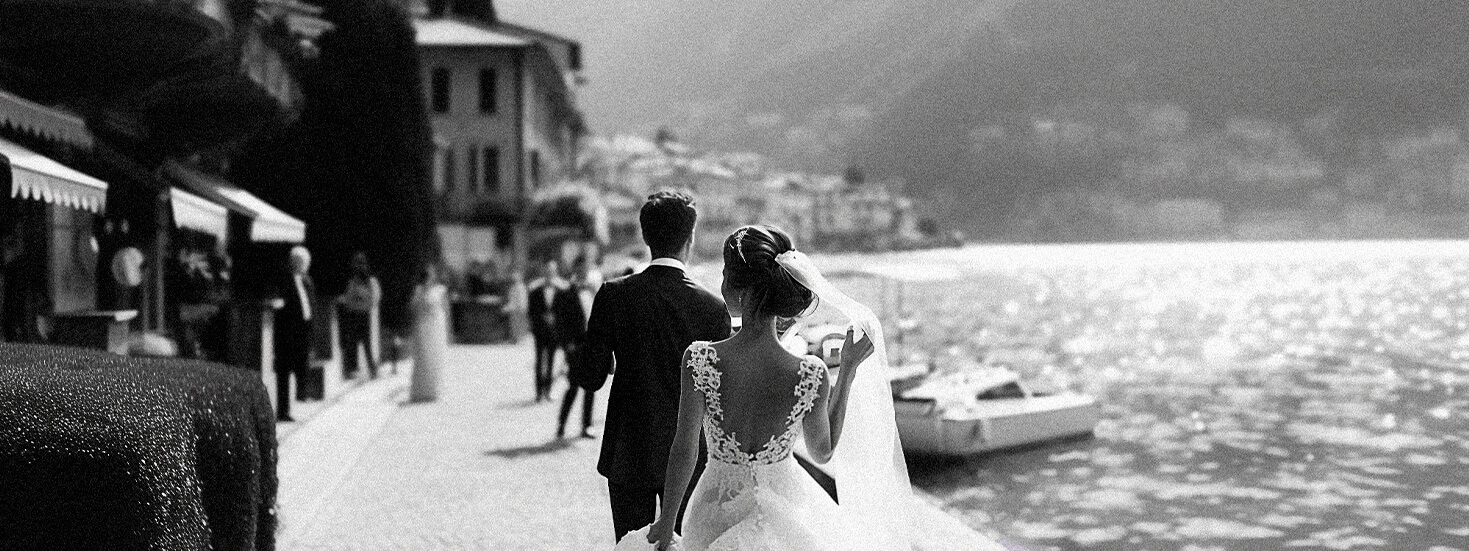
(477, 469)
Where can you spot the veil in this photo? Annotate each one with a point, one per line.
(867, 463)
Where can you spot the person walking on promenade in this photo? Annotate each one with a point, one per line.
(541, 293)
(516, 298)
(571, 306)
(355, 316)
(293, 329)
(639, 326)
(430, 335)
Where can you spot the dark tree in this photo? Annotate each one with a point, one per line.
(355, 166)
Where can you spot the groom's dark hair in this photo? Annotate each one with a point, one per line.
(668, 222)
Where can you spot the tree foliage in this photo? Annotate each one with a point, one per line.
(355, 167)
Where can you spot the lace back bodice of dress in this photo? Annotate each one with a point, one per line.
(723, 447)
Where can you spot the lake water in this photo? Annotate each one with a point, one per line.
(1254, 396)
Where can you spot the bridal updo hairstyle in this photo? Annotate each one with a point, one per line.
(749, 264)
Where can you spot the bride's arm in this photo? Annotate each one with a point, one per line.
(824, 430)
(682, 455)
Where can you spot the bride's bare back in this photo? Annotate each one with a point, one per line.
(759, 389)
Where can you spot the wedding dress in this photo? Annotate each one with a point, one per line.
(764, 500)
(761, 500)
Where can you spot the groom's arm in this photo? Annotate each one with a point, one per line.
(716, 321)
(600, 325)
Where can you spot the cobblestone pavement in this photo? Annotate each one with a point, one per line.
(477, 469)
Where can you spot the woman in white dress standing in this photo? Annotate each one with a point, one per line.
(753, 399)
(430, 335)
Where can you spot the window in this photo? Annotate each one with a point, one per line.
(440, 174)
(505, 237)
(535, 169)
(449, 170)
(487, 91)
(471, 168)
(1007, 390)
(491, 160)
(441, 81)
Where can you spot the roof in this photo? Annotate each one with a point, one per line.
(537, 33)
(455, 32)
(268, 222)
(47, 122)
(35, 176)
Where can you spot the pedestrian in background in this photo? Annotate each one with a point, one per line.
(214, 336)
(127, 276)
(516, 297)
(540, 294)
(355, 315)
(430, 335)
(293, 330)
(572, 304)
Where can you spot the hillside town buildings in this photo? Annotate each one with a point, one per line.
(821, 211)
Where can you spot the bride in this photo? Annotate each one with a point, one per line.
(753, 400)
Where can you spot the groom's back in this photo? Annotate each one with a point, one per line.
(645, 321)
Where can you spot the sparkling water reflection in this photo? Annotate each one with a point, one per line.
(1256, 396)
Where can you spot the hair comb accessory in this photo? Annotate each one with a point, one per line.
(739, 243)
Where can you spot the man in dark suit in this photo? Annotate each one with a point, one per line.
(539, 297)
(643, 323)
(571, 330)
(293, 329)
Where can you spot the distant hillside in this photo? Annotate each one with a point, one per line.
(981, 105)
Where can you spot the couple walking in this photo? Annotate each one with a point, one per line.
(681, 373)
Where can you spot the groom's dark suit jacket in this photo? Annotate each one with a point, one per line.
(644, 322)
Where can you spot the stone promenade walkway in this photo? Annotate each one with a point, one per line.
(477, 469)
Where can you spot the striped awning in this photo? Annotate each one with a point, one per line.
(267, 222)
(34, 118)
(35, 176)
(197, 213)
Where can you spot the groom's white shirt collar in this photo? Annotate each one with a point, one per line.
(669, 262)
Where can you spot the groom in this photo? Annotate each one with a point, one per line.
(643, 322)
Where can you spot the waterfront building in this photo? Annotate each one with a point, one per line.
(112, 123)
(502, 103)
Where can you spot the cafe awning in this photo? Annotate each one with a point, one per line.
(34, 118)
(35, 176)
(267, 222)
(197, 213)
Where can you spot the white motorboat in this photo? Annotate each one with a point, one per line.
(982, 408)
(985, 410)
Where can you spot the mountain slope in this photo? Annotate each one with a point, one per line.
(953, 95)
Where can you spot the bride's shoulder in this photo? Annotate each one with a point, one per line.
(813, 364)
(804, 362)
(700, 349)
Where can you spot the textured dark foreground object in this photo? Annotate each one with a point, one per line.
(99, 451)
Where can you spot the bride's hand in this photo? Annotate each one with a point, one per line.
(855, 350)
(661, 534)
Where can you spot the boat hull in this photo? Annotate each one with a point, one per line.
(927, 428)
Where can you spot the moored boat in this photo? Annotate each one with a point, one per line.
(981, 408)
(986, 410)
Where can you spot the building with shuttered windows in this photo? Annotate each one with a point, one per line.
(502, 101)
